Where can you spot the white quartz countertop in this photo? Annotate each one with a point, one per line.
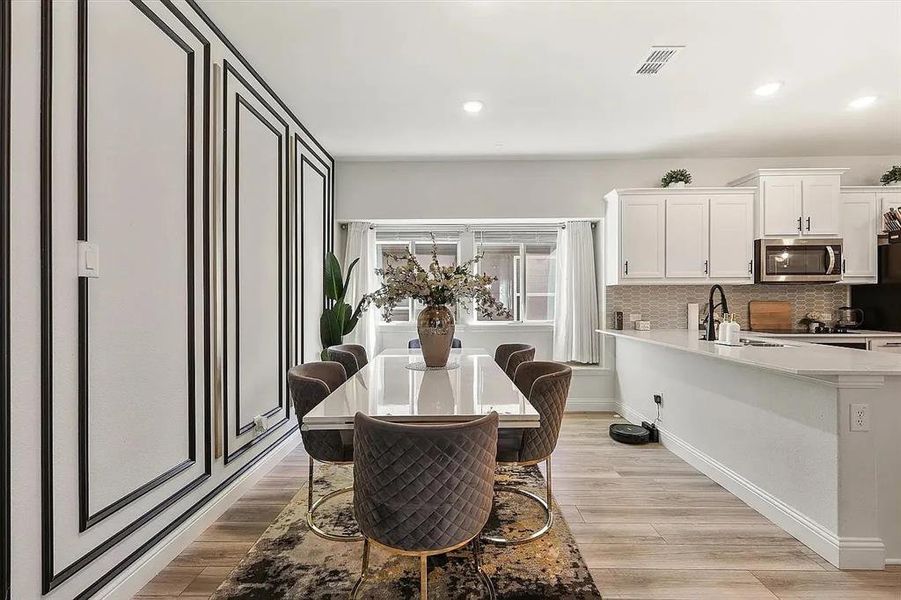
(854, 333)
(796, 358)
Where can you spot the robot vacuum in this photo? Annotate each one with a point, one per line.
(630, 434)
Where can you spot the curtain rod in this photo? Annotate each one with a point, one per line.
(465, 226)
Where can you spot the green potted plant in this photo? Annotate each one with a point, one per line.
(892, 176)
(677, 178)
(339, 318)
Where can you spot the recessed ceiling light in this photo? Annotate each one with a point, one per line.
(862, 102)
(768, 89)
(473, 106)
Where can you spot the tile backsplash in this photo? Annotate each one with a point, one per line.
(665, 306)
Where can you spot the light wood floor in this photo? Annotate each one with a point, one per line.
(648, 524)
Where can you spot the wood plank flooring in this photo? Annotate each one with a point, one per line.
(648, 524)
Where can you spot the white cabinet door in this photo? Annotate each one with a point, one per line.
(781, 206)
(731, 236)
(887, 200)
(687, 237)
(859, 221)
(643, 231)
(821, 201)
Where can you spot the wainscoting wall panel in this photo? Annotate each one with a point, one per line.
(255, 299)
(143, 263)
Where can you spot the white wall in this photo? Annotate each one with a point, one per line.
(138, 419)
(541, 188)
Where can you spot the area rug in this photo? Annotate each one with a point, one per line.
(289, 561)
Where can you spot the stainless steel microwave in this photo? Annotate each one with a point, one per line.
(798, 260)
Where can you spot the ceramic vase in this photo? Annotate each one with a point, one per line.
(435, 326)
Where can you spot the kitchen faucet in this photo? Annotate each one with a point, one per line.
(710, 334)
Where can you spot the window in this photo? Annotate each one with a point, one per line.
(525, 270)
(390, 244)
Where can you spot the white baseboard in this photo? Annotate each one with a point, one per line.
(131, 581)
(845, 553)
(893, 561)
(591, 405)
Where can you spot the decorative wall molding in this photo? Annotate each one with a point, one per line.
(51, 578)
(281, 133)
(5, 64)
(86, 517)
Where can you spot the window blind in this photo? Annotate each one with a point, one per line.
(544, 235)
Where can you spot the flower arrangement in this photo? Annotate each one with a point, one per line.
(891, 176)
(404, 277)
(675, 176)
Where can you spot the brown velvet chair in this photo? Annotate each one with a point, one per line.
(546, 385)
(423, 490)
(352, 356)
(509, 356)
(310, 384)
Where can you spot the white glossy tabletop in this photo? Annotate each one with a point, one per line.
(386, 389)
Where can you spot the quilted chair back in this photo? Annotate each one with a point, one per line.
(352, 356)
(510, 356)
(310, 384)
(423, 488)
(416, 344)
(546, 385)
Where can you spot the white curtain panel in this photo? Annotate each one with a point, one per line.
(576, 314)
(361, 244)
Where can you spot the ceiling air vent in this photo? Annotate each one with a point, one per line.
(657, 58)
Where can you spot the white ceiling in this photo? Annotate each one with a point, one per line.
(382, 80)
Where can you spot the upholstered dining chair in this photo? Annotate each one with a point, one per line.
(510, 356)
(415, 344)
(546, 385)
(423, 490)
(352, 356)
(310, 384)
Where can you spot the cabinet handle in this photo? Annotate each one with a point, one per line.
(706, 267)
(892, 345)
(808, 223)
(750, 266)
(799, 223)
(844, 265)
(627, 268)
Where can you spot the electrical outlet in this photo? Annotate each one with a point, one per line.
(860, 417)
(634, 317)
(260, 424)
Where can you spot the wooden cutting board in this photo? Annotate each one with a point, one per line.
(767, 314)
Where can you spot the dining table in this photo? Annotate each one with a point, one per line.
(395, 386)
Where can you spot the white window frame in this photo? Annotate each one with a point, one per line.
(520, 295)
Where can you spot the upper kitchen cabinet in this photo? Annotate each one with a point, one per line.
(859, 220)
(796, 202)
(679, 236)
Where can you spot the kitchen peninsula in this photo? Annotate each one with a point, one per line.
(805, 434)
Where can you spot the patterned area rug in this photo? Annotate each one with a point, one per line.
(290, 561)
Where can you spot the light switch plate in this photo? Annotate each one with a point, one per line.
(88, 260)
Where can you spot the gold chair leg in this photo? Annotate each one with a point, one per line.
(477, 558)
(424, 577)
(356, 589)
(312, 507)
(310, 486)
(546, 506)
